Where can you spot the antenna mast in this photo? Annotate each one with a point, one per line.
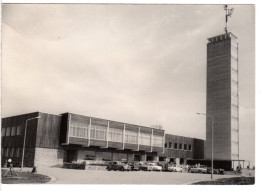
(228, 14)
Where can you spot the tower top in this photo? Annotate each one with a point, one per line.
(228, 14)
(221, 37)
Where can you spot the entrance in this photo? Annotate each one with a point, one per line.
(71, 155)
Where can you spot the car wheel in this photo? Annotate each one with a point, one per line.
(199, 172)
(109, 169)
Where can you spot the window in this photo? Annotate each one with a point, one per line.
(13, 131)
(3, 132)
(189, 147)
(17, 152)
(185, 147)
(165, 145)
(101, 132)
(18, 130)
(158, 140)
(175, 146)
(79, 130)
(145, 139)
(8, 131)
(7, 152)
(92, 132)
(2, 151)
(115, 135)
(131, 137)
(180, 146)
(170, 144)
(11, 152)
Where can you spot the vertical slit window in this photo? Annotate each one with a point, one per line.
(18, 130)
(8, 131)
(3, 132)
(13, 131)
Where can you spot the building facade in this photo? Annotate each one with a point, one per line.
(222, 98)
(54, 139)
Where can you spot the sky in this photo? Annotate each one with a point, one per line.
(139, 64)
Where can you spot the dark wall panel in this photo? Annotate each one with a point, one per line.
(48, 131)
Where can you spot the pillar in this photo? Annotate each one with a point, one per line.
(143, 157)
(177, 161)
(185, 161)
(156, 158)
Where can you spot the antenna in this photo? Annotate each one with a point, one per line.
(228, 14)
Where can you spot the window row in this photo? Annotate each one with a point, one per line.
(11, 131)
(179, 146)
(115, 135)
(11, 152)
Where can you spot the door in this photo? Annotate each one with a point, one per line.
(71, 155)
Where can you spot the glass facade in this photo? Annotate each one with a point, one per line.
(112, 131)
(145, 139)
(131, 137)
(158, 140)
(115, 135)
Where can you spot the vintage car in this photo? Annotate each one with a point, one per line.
(155, 167)
(216, 171)
(199, 169)
(145, 166)
(118, 165)
(175, 169)
(135, 166)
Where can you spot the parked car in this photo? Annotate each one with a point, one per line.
(155, 167)
(145, 166)
(135, 166)
(117, 165)
(216, 171)
(175, 169)
(200, 169)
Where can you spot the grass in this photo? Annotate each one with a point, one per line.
(229, 181)
(24, 178)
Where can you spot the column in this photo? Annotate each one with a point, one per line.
(68, 131)
(156, 158)
(89, 127)
(107, 132)
(177, 160)
(143, 157)
(124, 138)
(138, 139)
(185, 161)
(152, 141)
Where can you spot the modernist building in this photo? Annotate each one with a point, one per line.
(222, 98)
(54, 139)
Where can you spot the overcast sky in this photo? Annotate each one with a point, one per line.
(140, 64)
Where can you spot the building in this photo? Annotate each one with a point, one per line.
(54, 139)
(222, 99)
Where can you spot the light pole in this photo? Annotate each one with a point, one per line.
(24, 138)
(212, 129)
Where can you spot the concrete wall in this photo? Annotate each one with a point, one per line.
(48, 157)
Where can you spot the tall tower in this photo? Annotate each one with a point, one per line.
(222, 97)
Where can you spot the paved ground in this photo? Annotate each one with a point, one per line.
(72, 176)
